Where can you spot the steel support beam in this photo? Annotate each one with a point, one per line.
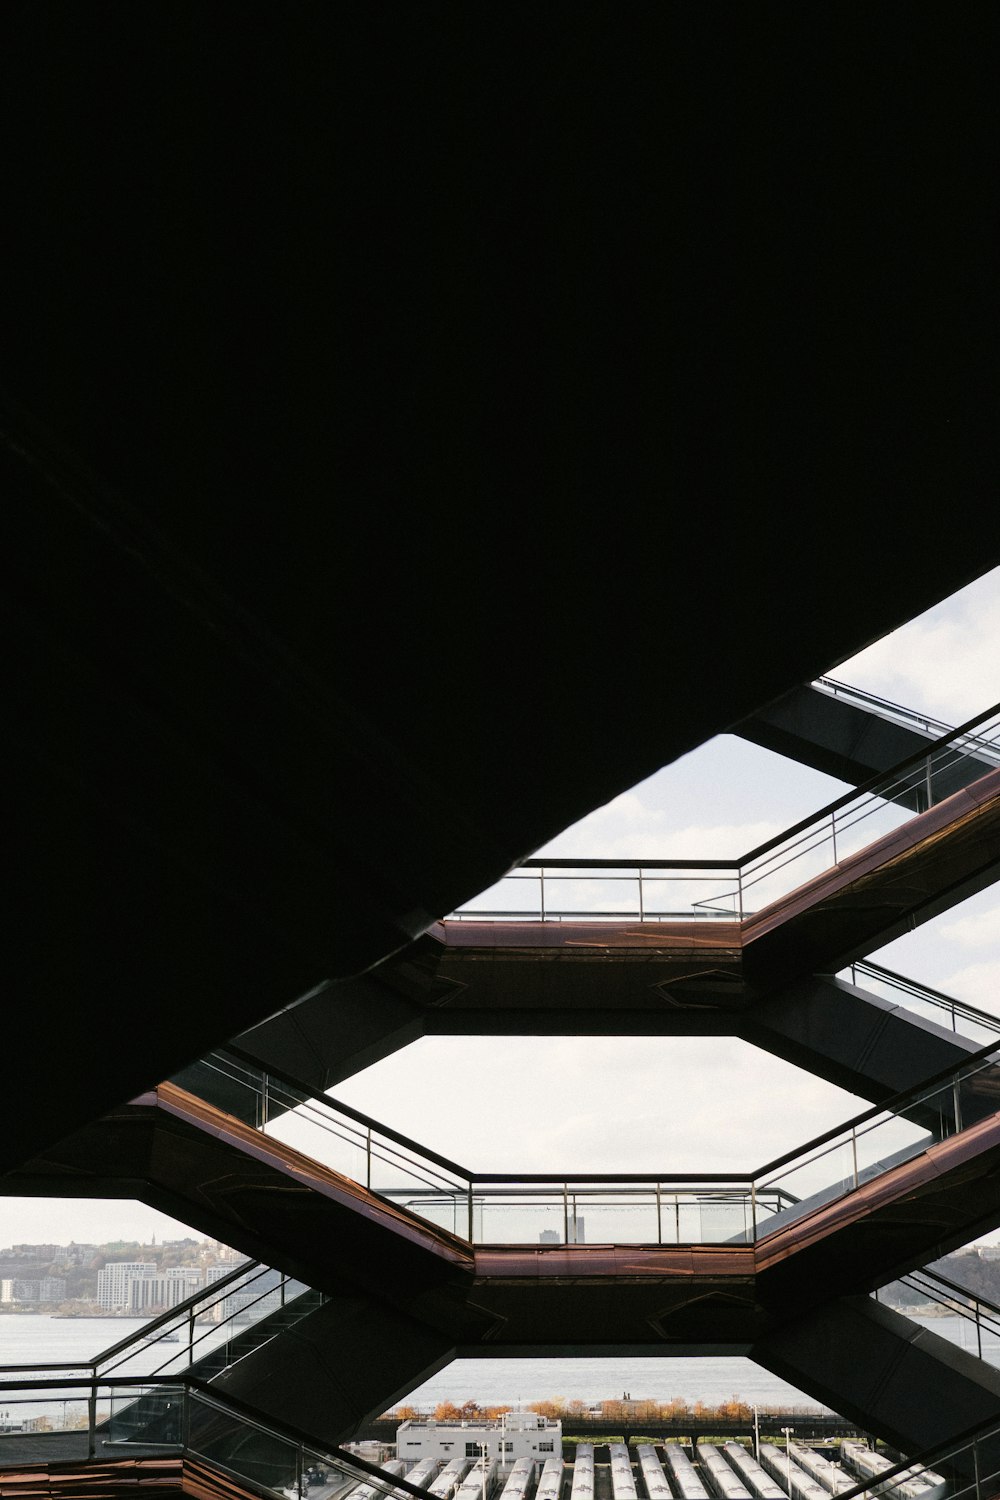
(852, 740)
(856, 1040)
(343, 1364)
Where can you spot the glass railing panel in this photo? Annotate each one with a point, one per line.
(446, 1209)
(964, 1020)
(366, 1155)
(518, 895)
(571, 893)
(655, 892)
(815, 1178)
(651, 1213)
(631, 892)
(821, 846)
(864, 822)
(877, 1144)
(37, 1412)
(948, 1311)
(965, 1470)
(282, 1466)
(143, 1417)
(898, 713)
(610, 1213)
(840, 1167)
(327, 1479)
(890, 1140)
(320, 1133)
(518, 1215)
(218, 1318)
(682, 894)
(242, 1448)
(318, 1128)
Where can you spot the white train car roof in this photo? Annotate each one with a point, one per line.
(757, 1480)
(423, 1471)
(782, 1466)
(368, 1491)
(832, 1478)
(722, 1478)
(622, 1477)
(519, 1480)
(684, 1474)
(653, 1476)
(583, 1472)
(450, 1477)
(909, 1484)
(550, 1479)
(472, 1485)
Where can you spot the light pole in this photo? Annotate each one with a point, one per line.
(788, 1460)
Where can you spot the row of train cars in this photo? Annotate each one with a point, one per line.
(724, 1472)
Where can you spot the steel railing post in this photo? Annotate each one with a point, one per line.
(264, 1098)
(541, 892)
(368, 1179)
(659, 1217)
(92, 1422)
(854, 1153)
(753, 1212)
(565, 1213)
(471, 1225)
(975, 1467)
(739, 890)
(833, 834)
(642, 914)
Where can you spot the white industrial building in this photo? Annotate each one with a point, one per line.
(518, 1434)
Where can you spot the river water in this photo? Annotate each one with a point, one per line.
(35, 1338)
(659, 1377)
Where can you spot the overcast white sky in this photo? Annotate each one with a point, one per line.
(666, 1104)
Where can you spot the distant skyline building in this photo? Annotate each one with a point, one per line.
(149, 1294)
(575, 1233)
(29, 1289)
(114, 1282)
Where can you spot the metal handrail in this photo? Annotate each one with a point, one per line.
(958, 1300)
(934, 1456)
(925, 992)
(714, 1185)
(190, 1386)
(189, 1305)
(856, 804)
(185, 1312)
(141, 1335)
(232, 1051)
(887, 709)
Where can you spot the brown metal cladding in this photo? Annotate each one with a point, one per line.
(150, 1477)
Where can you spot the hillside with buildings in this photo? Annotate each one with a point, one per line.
(114, 1279)
(128, 1279)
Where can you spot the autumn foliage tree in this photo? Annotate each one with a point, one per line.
(447, 1411)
